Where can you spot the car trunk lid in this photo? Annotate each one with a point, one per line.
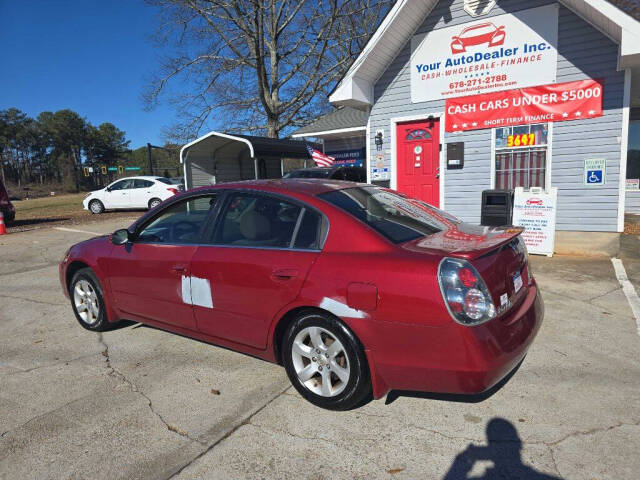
(498, 254)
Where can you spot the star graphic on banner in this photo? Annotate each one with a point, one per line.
(455, 125)
(591, 112)
(464, 125)
(578, 113)
(474, 124)
(565, 114)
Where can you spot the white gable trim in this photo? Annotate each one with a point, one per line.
(356, 87)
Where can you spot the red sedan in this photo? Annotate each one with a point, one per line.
(355, 289)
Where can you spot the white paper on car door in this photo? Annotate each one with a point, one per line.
(196, 291)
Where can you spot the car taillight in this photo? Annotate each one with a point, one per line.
(173, 190)
(464, 292)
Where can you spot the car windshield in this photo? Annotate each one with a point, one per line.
(164, 180)
(324, 173)
(398, 218)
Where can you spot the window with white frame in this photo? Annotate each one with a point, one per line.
(521, 156)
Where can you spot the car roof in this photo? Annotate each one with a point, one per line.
(141, 177)
(304, 186)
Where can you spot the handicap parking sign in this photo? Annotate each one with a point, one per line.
(594, 176)
(595, 172)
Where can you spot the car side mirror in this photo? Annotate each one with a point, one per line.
(108, 189)
(120, 237)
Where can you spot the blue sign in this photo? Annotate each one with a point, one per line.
(594, 176)
(351, 158)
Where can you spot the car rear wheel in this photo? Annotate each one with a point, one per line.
(96, 207)
(87, 301)
(325, 362)
(154, 202)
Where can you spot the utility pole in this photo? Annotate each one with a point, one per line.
(149, 146)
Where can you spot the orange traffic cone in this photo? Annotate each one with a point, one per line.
(3, 229)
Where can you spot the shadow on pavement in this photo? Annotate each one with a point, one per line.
(503, 452)
(36, 221)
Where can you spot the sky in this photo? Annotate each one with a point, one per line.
(92, 56)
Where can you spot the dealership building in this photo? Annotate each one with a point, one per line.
(450, 98)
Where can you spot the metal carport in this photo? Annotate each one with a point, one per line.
(219, 157)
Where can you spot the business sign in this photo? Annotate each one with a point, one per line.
(536, 212)
(349, 158)
(632, 184)
(595, 172)
(546, 103)
(499, 53)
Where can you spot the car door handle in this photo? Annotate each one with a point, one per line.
(179, 268)
(284, 273)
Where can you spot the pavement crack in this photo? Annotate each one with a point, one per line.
(27, 370)
(242, 423)
(589, 300)
(14, 297)
(112, 371)
(555, 463)
(589, 432)
(27, 270)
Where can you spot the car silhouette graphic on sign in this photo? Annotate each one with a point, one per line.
(477, 35)
(534, 201)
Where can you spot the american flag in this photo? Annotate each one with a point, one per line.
(320, 158)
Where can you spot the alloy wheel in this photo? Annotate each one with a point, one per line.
(320, 361)
(86, 302)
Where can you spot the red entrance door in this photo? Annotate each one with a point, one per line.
(419, 160)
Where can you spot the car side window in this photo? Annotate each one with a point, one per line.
(309, 231)
(257, 221)
(122, 185)
(180, 223)
(139, 183)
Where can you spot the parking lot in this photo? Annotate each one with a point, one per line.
(138, 402)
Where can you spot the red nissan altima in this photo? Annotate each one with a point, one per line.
(355, 289)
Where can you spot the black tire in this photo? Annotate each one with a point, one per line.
(355, 391)
(101, 323)
(154, 202)
(96, 207)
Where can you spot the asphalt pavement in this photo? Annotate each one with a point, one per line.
(138, 402)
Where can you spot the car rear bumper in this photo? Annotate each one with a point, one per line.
(454, 359)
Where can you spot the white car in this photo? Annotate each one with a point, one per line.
(132, 192)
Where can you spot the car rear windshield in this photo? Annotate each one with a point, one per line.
(164, 180)
(398, 218)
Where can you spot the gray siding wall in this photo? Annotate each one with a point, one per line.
(632, 202)
(583, 52)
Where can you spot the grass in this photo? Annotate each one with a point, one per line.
(67, 206)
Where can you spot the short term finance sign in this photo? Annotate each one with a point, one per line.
(497, 53)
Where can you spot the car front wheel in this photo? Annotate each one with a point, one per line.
(154, 202)
(325, 362)
(87, 301)
(96, 207)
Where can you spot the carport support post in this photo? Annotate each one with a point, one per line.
(149, 159)
(255, 167)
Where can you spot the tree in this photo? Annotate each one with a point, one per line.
(258, 65)
(105, 144)
(66, 131)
